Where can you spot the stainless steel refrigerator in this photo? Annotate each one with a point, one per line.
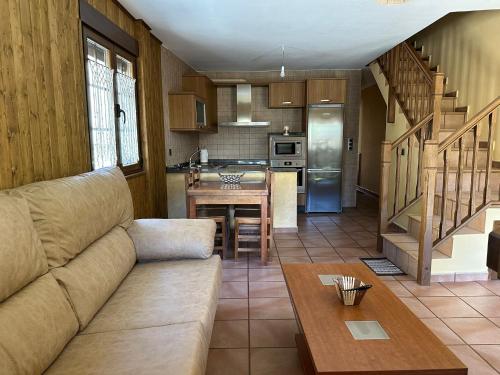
(325, 125)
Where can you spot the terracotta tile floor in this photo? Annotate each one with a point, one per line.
(255, 326)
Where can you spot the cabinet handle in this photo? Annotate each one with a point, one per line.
(287, 102)
(325, 100)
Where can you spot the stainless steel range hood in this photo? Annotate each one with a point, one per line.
(244, 109)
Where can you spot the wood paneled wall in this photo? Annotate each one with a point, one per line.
(43, 118)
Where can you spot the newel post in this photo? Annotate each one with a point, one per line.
(385, 171)
(437, 92)
(428, 182)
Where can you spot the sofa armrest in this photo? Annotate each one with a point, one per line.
(164, 239)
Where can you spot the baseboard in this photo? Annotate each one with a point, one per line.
(367, 191)
(286, 230)
(496, 164)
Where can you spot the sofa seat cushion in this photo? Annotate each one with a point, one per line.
(171, 349)
(71, 213)
(160, 293)
(166, 239)
(21, 253)
(35, 325)
(92, 277)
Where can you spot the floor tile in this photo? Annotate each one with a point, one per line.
(363, 235)
(490, 353)
(441, 330)
(449, 307)
(352, 260)
(398, 288)
(351, 252)
(434, 290)
(272, 262)
(230, 334)
(273, 333)
(343, 243)
(285, 260)
(232, 309)
(271, 308)
(321, 251)
(468, 289)
(266, 274)
(234, 290)
(292, 252)
(334, 259)
(367, 243)
(228, 362)
(318, 242)
(288, 243)
(493, 285)
(489, 306)
(417, 307)
(286, 236)
(496, 321)
(474, 330)
(337, 236)
(275, 361)
(475, 364)
(235, 274)
(242, 262)
(267, 289)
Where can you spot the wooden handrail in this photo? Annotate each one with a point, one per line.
(469, 124)
(419, 62)
(412, 130)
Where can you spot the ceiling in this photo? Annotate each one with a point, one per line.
(242, 35)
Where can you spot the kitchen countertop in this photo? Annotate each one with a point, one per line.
(223, 165)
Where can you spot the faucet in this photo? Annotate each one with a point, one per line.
(191, 164)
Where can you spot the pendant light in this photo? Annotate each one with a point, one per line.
(282, 72)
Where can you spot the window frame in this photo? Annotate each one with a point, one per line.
(114, 50)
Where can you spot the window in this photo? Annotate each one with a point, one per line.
(112, 105)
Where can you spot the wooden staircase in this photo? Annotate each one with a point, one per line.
(438, 185)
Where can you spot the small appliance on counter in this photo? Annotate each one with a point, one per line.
(204, 156)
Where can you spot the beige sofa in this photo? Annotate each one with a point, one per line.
(85, 289)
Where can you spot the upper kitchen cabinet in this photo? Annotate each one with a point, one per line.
(288, 94)
(203, 87)
(326, 91)
(187, 112)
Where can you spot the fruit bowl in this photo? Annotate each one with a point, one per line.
(350, 290)
(231, 178)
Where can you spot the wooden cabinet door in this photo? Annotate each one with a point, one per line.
(182, 112)
(286, 94)
(203, 87)
(326, 91)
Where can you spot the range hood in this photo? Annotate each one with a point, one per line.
(244, 109)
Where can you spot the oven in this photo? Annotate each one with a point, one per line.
(287, 147)
(298, 165)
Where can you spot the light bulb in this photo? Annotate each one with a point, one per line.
(282, 73)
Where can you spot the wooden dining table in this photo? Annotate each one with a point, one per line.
(250, 193)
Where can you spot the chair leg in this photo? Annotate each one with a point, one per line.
(224, 238)
(236, 241)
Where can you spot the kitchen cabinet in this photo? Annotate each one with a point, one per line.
(287, 94)
(326, 91)
(203, 87)
(182, 111)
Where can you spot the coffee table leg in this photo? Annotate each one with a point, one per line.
(304, 356)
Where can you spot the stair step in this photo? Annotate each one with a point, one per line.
(453, 120)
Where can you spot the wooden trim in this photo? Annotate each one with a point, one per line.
(368, 192)
(100, 23)
(496, 164)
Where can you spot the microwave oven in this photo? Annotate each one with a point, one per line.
(287, 147)
(201, 114)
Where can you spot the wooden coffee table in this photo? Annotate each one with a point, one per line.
(326, 346)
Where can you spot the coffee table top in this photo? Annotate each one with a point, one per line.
(411, 347)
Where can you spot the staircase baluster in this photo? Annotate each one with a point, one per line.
(474, 179)
(444, 195)
(492, 119)
(458, 200)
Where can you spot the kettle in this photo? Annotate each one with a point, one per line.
(204, 156)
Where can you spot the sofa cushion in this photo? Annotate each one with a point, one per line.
(160, 293)
(70, 213)
(21, 254)
(172, 349)
(94, 275)
(163, 239)
(35, 325)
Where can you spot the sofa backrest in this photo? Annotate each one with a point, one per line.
(71, 213)
(82, 222)
(36, 319)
